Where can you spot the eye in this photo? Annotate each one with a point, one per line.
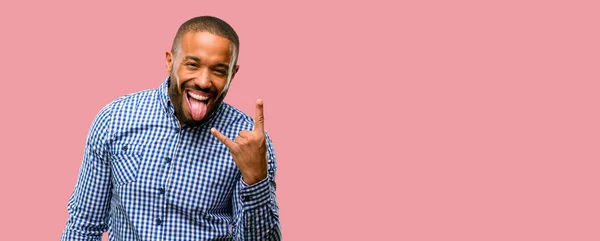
(191, 65)
(220, 72)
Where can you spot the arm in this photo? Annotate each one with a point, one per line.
(255, 210)
(88, 206)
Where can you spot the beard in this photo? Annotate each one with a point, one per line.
(176, 93)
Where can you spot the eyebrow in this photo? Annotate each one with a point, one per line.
(196, 59)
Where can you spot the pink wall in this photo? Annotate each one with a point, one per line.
(436, 120)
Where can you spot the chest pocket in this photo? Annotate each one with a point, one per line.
(125, 164)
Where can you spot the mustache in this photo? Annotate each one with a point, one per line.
(188, 85)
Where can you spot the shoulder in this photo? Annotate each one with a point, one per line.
(132, 100)
(122, 104)
(231, 115)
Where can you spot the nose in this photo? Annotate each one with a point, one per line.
(203, 80)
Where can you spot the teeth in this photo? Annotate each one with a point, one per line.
(198, 97)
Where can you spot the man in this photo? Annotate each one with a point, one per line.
(176, 162)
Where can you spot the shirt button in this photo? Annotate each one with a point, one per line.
(158, 221)
(161, 190)
(167, 160)
(124, 148)
(246, 198)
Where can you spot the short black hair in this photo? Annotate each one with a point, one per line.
(208, 24)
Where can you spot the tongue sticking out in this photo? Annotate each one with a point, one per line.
(197, 108)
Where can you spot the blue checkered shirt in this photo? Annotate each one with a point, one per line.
(144, 177)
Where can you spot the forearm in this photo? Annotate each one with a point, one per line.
(71, 234)
(257, 213)
(88, 206)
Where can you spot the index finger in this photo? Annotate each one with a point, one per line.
(259, 121)
(226, 141)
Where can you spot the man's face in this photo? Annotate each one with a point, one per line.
(198, 74)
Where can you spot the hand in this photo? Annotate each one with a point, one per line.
(249, 148)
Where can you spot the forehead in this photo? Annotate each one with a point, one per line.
(206, 46)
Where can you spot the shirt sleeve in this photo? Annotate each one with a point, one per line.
(255, 210)
(88, 206)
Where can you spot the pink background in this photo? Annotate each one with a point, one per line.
(436, 120)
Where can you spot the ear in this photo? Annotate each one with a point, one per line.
(168, 61)
(235, 70)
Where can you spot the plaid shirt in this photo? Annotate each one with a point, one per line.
(144, 177)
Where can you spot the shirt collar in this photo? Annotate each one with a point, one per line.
(165, 99)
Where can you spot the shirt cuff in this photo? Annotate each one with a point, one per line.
(255, 195)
